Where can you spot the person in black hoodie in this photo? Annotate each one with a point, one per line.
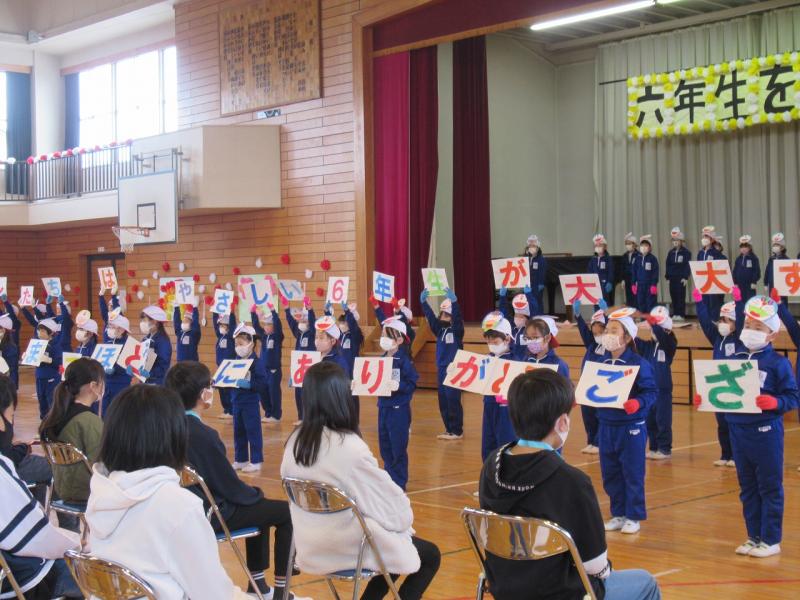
(241, 505)
(529, 478)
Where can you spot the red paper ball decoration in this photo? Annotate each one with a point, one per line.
(320, 292)
(285, 259)
(82, 151)
(163, 288)
(69, 152)
(56, 154)
(196, 278)
(236, 270)
(135, 288)
(76, 303)
(218, 287)
(131, 273)
(29, 160)
(209, 300)
(98, 147)
(128, 298)
(162, 303)
(165, 267)
(43, 157)
(77, 289)
(325, 265)
(170, 285)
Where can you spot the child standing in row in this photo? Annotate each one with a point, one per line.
(151, 324)
(86, 335)
(301, 324)
(778, 253)
(48, 373)
(497, 428)
(399, 310)
(116, 331)
(602, 264)
(629, 261)
(248, 440)
(678, 272)
(8, 349)
(659, 351)
(187, 332)
(746, 270)
(537, 264)
(592, 337)
(645, 276)
(448, 327)
(224, 326)
(270, 331)
(326, 341)
(709, 251)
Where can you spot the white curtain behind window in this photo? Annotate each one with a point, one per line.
(742, 182)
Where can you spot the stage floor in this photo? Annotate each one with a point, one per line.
(688, 540)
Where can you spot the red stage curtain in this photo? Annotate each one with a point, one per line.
(424, 157)
(391, 128)
(472, 241)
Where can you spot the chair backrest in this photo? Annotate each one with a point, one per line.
(106, 580)
(5, 573)
(317, 497)
(62, 454)
(520, 538)
(191, 478)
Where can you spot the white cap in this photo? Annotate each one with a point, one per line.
(155, 312)
(406, 312)
(646, 238)
(90, 326)
(728, 310)
(711, 232)
(496, 322)
(599, 317)
(533, 240)
(629, 237)
(599, 239)
(661, 316)
(765, 310)
(677, 234)
(6, 322)
(521, 306)
(625, 316)
(41, 307)
(551, 324)
(49, 324)
(446, 306)
(327, 324)
(82, 317)
(779, 238)
(244, 328)
(396, 323)
(745, 239)
(122, 322)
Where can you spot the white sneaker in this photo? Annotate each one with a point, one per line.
(631, 526)
(298, 423)
(745, 548)
(476, 494)
(649, 454)
(615, 523)
(272, 420)
(730, 463)
(658, 455)
(763, 550)
(240, 466)
(678, 319)
(590, 449)
(720, 463)
(252, 468)
(449, 436)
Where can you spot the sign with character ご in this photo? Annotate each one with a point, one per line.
(605, 385)
(223, 302)
(372, 376)
(301, 362)
(337, 289)
(786, 277)
(230, 372)
(711, 276)
(727, 385)
(511, 272)
(435, 281)
(584, 288)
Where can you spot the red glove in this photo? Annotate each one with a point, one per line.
(766, 402)
(650, 319)
(270, 306)
(632, 406)
(306, 302)
(773, 293)
(653, 290)
(284, 302)
(374, 301)
(395, 303)
(635, 288)
(737, 293)
(254, 309)
(697, 400)
(696, 295)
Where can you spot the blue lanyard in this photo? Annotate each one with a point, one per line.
(540, 445)
(194, 414)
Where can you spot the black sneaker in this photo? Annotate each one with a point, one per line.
(267, 593)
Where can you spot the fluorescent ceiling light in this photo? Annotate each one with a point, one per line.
(599, 13)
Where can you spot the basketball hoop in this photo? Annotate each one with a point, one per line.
(127, 236)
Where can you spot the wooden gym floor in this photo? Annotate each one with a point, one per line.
(694, 512)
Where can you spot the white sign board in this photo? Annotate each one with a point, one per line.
(300, 363)
(372, 376)
(230, 372)
(337, 289)
(584, 287)
(435, 281)
(604, 385)
(511, 272)
(786, 277)
(711, 276)
(727, 385)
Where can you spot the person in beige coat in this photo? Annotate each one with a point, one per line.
(327, 447)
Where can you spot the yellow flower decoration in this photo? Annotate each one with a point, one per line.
(771, 60)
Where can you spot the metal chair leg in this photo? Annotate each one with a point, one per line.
(243, 562)
(333, 588)
(481, 587)
(289, 569)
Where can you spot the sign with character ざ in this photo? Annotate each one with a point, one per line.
(727, 385)
(604, 385)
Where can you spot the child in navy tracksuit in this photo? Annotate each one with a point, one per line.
(645, 276)
(248, 440)
(757, 438)
(352, 338)
(399, 310)
(677, 273)
(522, 307)
(778, 253)
(448, 327)
(327, 338)
(224, 327)
(48, 374)
(12, 314)
(659, 351)
(63, 318)
(792, 328)
(86, 335)
(541, 335)
(592, 337)
(8, 349)
(622, 434)
(152, 327)
(709, 251)
(602, 264)
(394, 412)
(497, 429)
(301, 324)
(724, 339)
(271, 336)
(187, 333)
(629, 260)
(537, 264)
(116, 332)
(746, 269)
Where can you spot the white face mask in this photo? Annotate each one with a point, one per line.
(776, 249)
(753, 340)
(244, 350)
(208, 397)
(113, 333)
(676, 244)
(598, 249)
(81, 335)
(598, 339)
(144, 327)
(724, 329)
(644, 249)
(387, 344)
(533, 250)
(611, 342)
(185, 327)
(563, 435)
(498, 349)
(520, 321)
(303, 327)
(704, 242)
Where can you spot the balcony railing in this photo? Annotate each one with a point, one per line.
(80, 173)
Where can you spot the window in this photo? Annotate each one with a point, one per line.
(131, 98)
(3, 116)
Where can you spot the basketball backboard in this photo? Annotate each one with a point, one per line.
(148, 209)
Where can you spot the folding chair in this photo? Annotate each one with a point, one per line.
(106, 580)
(321, 498)
(5, 573)
(61, 454)
(518, 538)
(190, 478)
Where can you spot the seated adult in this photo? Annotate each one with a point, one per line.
(31, 468)
(32, 546)
(327, 447)
(71, 420)
(138, 513)
(241, 505)
(528, 478)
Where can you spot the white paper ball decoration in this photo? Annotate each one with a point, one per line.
(67, 287)
(155, 275)
(309, 273)
(201, 289)
(212, 278)
(146, 282)
(228, 286)
(259, 263)
(181, 267)
(140, 295)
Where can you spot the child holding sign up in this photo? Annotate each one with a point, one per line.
(224, 327)
(152, 327)
(301, 323)
(116, 332)
(622, 434)
(497, 429)
(248, 440)
(86, 335)
(8, 349)
(268, 328)
(757, 438)
(187, 332)
(592, 337)
(48, 374)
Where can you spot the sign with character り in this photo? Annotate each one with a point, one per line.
(786, 277)
(435, 281)
(291, 289)
(52, 285)
(372, 376)
(584, 288)
(471, 372)
(337, 289)
(604, 385)
(301, 362)
(34, 353)
(511, 272)
(230, 372)
(107, 355)
(108, 279)
(712, 276)
(507, 371)
(382, 286)
(258, 290)
(727, 385)
(138, 356)
(26, 295)
(223, 302)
